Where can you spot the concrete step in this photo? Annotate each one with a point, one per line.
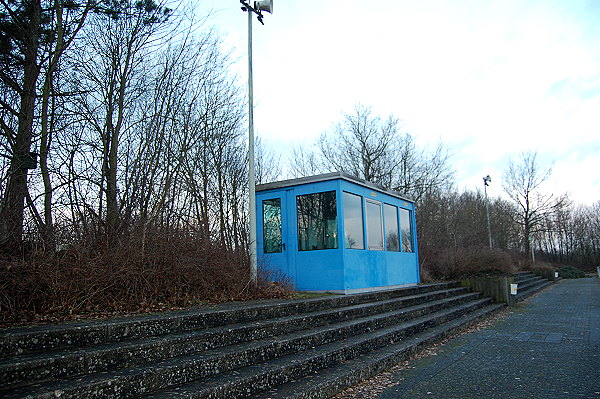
(528, 284)
(145, 377)
(522, 275)
(19, 341)
(532, 288)
(228, 351)
(67, 363)
(251, 380)
(336, 378)
(526, 279)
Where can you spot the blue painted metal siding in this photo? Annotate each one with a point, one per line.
(373, 268)
(320, 268)
(310, 270)
(336, 269)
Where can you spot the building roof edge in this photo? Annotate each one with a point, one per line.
(330, 176)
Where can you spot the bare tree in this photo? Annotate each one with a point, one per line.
(363, 145)
(573, 236)
(377, 150)
(305, 161)
(268, 163)
(419, 172)
(451, 219)
(35, 35)
(67, 21)
(113, 61)
(21, 36)
(523, 182)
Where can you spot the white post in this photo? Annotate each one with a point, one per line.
(486, 180)
(251, 176)
(487, 212)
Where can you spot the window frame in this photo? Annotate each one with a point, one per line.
(334, 231)
(379, 204)
(396, 220)
(264, 221)
(411, 233)
(362, 220)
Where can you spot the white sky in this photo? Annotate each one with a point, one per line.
(488, 79)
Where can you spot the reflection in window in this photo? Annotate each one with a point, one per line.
(407, 233)
(353, 222)
(317, 221)
(272, 225)
(392, 239)
(374, 225)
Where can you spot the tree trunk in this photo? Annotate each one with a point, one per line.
(12, 213)
(46, 129)
(526, 242)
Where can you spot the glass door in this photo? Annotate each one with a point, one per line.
(274, 228)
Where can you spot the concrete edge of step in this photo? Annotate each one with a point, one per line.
(534, 290)
(249, 380)
(354, 374)
(67, 363)
(173, 371)
(20, 340)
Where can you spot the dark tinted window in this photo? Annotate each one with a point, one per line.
(272, 225)
(317, 221)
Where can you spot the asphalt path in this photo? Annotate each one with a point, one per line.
(545, 347)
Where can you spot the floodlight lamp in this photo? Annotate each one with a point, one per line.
(264, 5)
(487, 180)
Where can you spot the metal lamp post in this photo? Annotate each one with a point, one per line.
(486, 182)
(259, 7)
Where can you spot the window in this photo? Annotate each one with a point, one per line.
(353, 222)
(407, 232)
(392, 239)
(317, 221)
(272, 225)
(374, 226)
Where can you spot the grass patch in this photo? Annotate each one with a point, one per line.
(311, 295)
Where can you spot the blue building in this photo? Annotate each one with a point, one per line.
(335, 232)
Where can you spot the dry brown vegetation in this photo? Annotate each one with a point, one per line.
(140, 122)
(454, 263)
(175, 270)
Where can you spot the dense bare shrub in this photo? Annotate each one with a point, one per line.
(426, 276)
(171, 269)
(456, 262)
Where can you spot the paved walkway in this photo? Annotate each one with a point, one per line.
(546, 347)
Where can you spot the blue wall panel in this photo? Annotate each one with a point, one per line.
(369, 269)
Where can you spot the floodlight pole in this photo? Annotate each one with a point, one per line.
(486, 182)
(251, 174)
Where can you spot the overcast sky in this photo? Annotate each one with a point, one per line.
(489, 79)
